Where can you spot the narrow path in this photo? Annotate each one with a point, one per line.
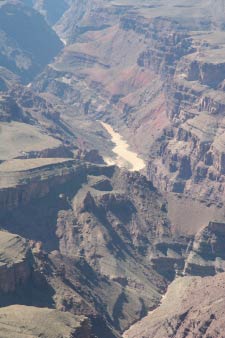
(125, 157)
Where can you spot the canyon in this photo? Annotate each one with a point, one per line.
(112, 168)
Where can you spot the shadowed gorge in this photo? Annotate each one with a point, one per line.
(112, 168)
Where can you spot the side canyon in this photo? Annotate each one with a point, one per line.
(112, 168)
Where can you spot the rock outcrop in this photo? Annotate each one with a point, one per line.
(207, 254)
(168, 91)
(51, 11)
(23, 180)
(23, 321)
(100, 249)
(191, 308)
(15, 266)
(21, 53)
(93, 218)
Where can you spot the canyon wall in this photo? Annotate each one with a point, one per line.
(99, 241)
(166, 96)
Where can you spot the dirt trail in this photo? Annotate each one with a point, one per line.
(125, 157)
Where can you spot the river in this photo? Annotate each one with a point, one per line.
(124, 157)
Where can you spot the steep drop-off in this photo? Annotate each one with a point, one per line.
(156, 75)
(85, 225)
(96, 246)
(27, 43)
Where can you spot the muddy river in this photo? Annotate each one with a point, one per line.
(124, 157)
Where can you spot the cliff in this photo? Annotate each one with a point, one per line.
(100, 241)
(161, 84)
(15, 268)
(206, 256)
(90, 220)
(21, 53)
(191, 308)
(25, 179)
(23, 321)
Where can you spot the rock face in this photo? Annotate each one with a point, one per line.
(169, 90)
(52, 11)
(28, 276)
(21, 281)
(207, 255)
(24, 180)
(189, 155)
(109, 227)
(95, 244)
(95, 217)
(15, 268)
(35, 322)
(191, 308)
(92, 65)
(21, 53)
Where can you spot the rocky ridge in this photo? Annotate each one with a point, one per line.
(20, 53)
(41, 322)
(166, 89)
(89, 204)
(99, 241)
(191, 308)
(96, 234)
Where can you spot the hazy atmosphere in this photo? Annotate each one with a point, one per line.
(112, 168)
